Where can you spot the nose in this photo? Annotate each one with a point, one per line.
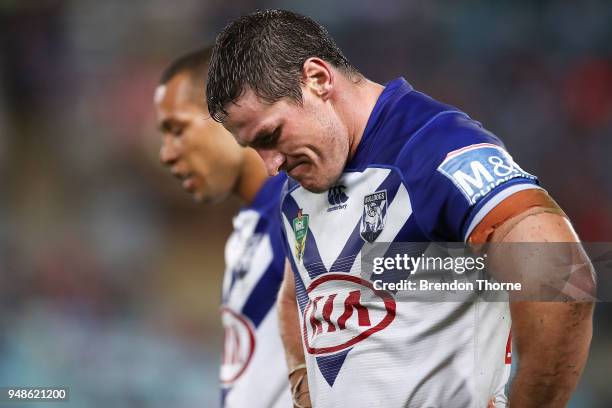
(273, 160)
(168, 152)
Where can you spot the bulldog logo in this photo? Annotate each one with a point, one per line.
(374, 215)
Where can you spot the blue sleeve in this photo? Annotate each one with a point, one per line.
(456, 172)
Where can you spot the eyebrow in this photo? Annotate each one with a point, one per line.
(265, 137)
(168, 124)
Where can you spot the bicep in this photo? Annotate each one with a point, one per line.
(539, 247)
(540, 226)
(531, 241)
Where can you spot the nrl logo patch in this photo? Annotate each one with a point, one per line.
(374, 215)
(300, 229)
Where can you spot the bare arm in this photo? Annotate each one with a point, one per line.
(551, 338)
(292, 340)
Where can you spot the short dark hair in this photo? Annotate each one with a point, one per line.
(265, 51)
(195, 64)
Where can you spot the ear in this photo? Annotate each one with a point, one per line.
(318, 77)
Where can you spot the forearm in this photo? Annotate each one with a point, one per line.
(551, 338)
(552, 344)
(290, 332)
(290, 328)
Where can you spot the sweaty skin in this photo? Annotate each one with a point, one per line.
(313, 142)
(552, 339)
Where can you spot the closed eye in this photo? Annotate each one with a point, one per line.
(266, 140)
(172, 127)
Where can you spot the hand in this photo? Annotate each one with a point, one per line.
(298, 379)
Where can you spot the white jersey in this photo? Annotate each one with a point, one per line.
(253, 367)
(423, 172)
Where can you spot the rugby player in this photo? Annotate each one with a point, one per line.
(409, 169)
(212, 166)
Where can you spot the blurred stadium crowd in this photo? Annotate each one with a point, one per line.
(110, 275)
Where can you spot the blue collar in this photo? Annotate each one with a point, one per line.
(393, 91)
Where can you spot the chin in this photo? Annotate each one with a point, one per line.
(199, 198)
(202, 197)
(317, 181)
(315, 187)
(209, 197)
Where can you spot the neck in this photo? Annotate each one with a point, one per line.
(252, 177)
(367, 93)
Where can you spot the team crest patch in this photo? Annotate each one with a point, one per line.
(374, 215)
(300, 229)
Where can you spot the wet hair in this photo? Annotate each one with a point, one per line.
(265, 51)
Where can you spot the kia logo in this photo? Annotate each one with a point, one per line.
(342, 311)
(238, 347)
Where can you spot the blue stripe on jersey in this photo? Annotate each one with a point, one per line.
(347, 256)
(355, 242)
(330, 365)
(263, 296)
(421, 243)
(312, 260)
(300, 289)
(224, 392)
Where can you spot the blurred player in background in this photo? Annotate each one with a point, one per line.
(211, 166)
(405, 168)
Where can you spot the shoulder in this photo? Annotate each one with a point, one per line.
(448, 134)
(455, 171)
(398, 123)
(268, 198)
